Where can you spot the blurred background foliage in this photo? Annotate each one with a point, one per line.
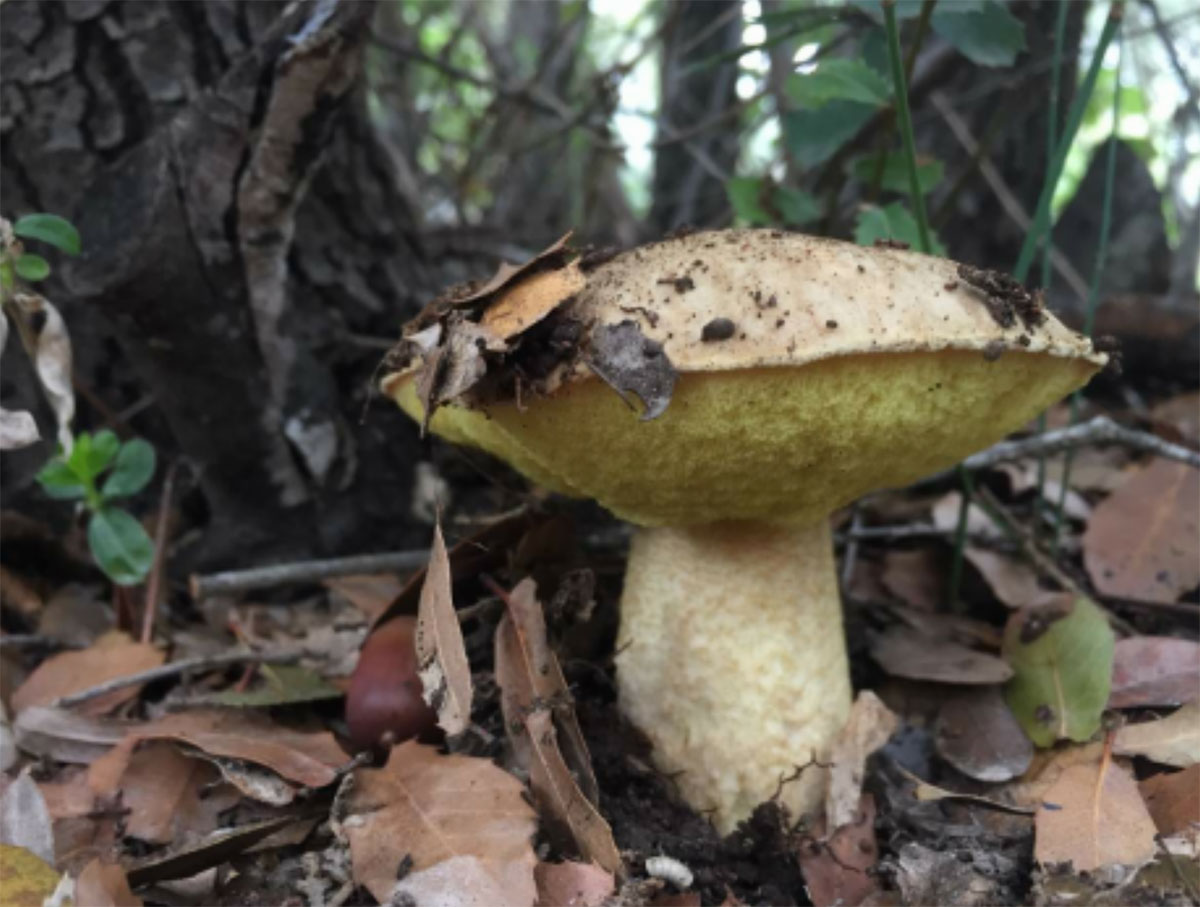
(623, 119)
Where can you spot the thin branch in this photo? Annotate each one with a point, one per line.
(183, 666)
(203, 586)
(1100, 430)
(154, 583)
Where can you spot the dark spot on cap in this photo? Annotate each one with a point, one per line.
(994, 350)
(717, 329)
(831, 324)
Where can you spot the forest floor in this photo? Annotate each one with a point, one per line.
(232, 782)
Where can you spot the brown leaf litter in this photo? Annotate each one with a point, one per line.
(441, 654)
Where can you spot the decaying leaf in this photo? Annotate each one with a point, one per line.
(977, 734)
(915, 577)
(51, 358)
(217, 848)
(454, 367)
(25, 879)
(17, 429)
(25, 819)
(868, 728)
(1093, 816)
(531, 300)
(1154, 670)
(572, 884)
(1012, 580)
(278, 685)
(837, 868)
(905, 653)
(507, 274)
(104, 885)
(441, 652)
(539, 717)
(1173, 799)
(113, 655)
(1061, 650)
(64, 736)
(171, 797)
(631, 363)
(1174, 740)
(306, 759)
(458, 826)
(370, 593)
(1157, 561)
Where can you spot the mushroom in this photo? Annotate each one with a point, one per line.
(806, 372)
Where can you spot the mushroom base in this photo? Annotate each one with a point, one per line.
(732, 660)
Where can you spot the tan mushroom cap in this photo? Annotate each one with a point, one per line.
(848, 369)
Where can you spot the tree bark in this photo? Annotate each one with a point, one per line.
(238, 222)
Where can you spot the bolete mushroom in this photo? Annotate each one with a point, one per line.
(786, 375)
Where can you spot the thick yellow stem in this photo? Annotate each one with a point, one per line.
(733, 661)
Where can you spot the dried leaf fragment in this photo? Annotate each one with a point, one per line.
(531, 300)
(837, 868)
(977, 734)
(868, 728)
(629, 362)
(573, 884)
(1174, 740)
(441, 653)
(1093, 816)
(113, 655)
(104, 885)
(1173, 799)
(458, 824)
(904, 653)
(1154, 670)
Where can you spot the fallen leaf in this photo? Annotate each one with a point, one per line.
(25, 819)
(277, 685)
(307, 759)
(64, 736)
(1174, 740)
(507, 274)
(1093, 816)
(1182, 413)
(1061, 652)
(905, 653)
(18, 593)
(979, 525)
(17, 429)
(572, 884)
(52, 358)
(1154, 670)
(441, 653)
(460, 826)
(220, 847)
(370, 593)
(104, 885)
(977, 734)
(172, 798)
(915, 577)
(631, 363)
(1157, 562)
(1047, 767)
(113, 655)
(837, 869)
(925, 792)
(535, 297)
(867, 729)
(76, 615)
(1173, 799)
(927, 876)
(538, 714)
(455, 366)
(1010, 578)
(25, 879)
(8, 741)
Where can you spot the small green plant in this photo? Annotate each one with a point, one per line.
(98, 471)
(16, 262)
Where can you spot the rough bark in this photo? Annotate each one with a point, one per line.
(238, 221)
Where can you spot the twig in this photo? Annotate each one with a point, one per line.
(33, 641)
(184, 665)
(202, 586)
(1100, 430)
(154, 583)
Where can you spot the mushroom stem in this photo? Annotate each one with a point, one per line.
(732, 661)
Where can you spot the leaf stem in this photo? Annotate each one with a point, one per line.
(904, 121)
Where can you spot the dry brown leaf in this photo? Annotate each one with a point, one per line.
(904, 653)
(507, 273)
(25, 818)
(915, 577)
(307, 759)
(537, 714)
(459, 824)
(1093, 816)
(170, 797)
(113, 655)
(978, 735)
(1182, 413)
(65, 736)
(837, 871)
(868, 728)
(1047, 767)
(979, 524)
(572, 884)
(1174, 740)
(104, 885)
(1173, 799)
(369, 593)
(1010, 578)
(1142, 540)
(1154, 670)
(441, 653)
(531, 300)
(18, 593)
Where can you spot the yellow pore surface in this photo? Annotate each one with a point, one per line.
(782, 444)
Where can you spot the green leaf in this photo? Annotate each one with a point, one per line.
(120, 546)
(32, 267)
(892, 222)
(745, 197)
(60, 482)
(814, 136)
(989, 36)
(1061, 653)
(839, 79)
(796, 206)
(133, 468)
(282, 685)
(895, 173)
(757, 202)
(50, 228)
(8, 277)
(92, 454)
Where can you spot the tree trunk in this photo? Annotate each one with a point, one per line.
(239, 225)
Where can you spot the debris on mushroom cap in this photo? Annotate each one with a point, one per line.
(911, 366)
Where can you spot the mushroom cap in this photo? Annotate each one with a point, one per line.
(810, 371)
